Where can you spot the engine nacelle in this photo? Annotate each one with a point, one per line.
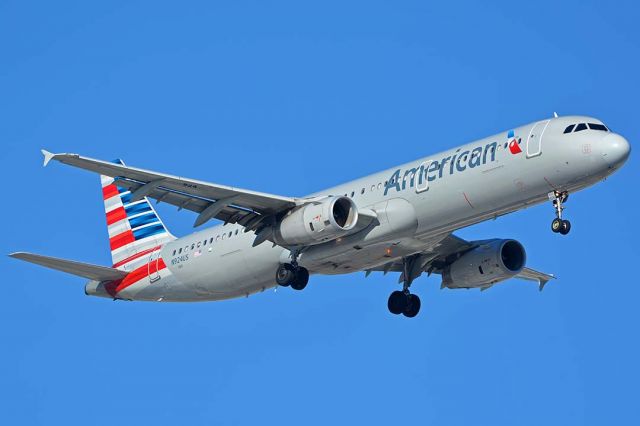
(317, 222)
(493, 261)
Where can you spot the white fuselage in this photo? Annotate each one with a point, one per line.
(417, 205)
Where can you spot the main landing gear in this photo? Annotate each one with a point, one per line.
(292, 274)
(404, 302)
(559, 225)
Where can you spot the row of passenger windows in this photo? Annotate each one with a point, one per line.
(203, 243)
(582, 126)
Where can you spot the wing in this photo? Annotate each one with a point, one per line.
(442, 252)
(209, 200)
(532, 275)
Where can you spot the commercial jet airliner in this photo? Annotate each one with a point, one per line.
(399, 220)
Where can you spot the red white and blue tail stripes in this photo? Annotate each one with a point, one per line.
(135, 230)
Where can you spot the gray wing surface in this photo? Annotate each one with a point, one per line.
(532, 275)
(442, 253)
(226, 203)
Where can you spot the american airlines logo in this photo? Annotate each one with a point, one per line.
(430, 170)
(514, 144)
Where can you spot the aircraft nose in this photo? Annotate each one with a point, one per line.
(615, 149)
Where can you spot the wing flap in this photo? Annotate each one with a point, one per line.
(85, 270)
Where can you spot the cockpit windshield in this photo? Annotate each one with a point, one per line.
(583, 126)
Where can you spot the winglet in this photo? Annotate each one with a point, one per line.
(544, 282)
(47, 157)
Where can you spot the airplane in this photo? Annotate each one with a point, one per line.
(399, 220)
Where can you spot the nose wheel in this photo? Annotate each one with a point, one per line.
(559, 225)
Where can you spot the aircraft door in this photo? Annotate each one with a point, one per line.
(534, 141)
(154, 274)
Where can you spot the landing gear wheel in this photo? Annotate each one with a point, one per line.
(413, 306)
(285, 275)
(397, 302)
(301, 279)
(559, 225)
(566, 227)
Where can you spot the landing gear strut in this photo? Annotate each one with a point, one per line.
(292, 274)
(559, 225)
(404, 302)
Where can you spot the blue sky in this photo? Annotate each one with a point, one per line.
(289, 98)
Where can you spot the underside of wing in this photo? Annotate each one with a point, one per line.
(441, 254)
(442, 251)
(532, 275)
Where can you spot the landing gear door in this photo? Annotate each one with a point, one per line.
(534, 141)
(154, 274)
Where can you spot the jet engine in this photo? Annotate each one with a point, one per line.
(493, 261)
(317, 222)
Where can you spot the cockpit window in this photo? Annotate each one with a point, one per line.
(595, 126)
(580, 127)
(569, 128)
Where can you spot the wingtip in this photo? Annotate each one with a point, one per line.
(47, 157)
(544, 283)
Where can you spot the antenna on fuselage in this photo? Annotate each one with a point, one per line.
(555, 114)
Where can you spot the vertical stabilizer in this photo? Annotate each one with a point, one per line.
(135, 229)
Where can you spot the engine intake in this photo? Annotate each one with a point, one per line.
(491, 262)
(317, 222)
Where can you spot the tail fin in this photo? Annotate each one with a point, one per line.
(135, 229)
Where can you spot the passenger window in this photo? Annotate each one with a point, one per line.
(211, 240)
(236, 232)
(198, 246)
(595, 126)
(580, 127)
(379, 186)
(174, 253)
(204, 243)
(373, 187)
(353, 193)
(217, 238)
(193, 246)
(180, 251)
(230, 233)
(569, 128)
(362, 191)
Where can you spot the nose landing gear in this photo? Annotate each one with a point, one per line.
(559, 225)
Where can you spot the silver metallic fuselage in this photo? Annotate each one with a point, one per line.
(417, 205)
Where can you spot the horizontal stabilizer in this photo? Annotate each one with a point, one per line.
(86, 270)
